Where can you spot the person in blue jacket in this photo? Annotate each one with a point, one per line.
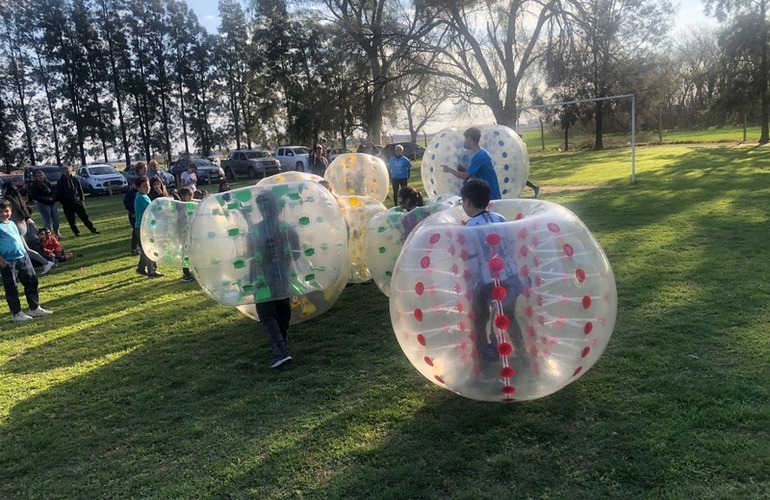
(400, 169)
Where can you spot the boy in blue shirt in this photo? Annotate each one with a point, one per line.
(481, 166)
(15, 266)
(146, 266)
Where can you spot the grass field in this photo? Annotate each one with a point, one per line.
(148, 389)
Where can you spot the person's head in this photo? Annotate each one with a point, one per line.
(44, 233)
(267, 205)
(409, 198)
(156, 184)
(318, 149)
(153, 165)
(398, 151)
(199, 195)
(40, 176)
(185, 194)
(472, 137)
(9, 190)
(191, 168)
(224, 186)
(140, 168)
(5, 212)
(142, 184)
(66, 171)
(475, 196)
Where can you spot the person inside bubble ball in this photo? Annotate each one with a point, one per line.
(481, 166)
(274, 245)
(503, 284)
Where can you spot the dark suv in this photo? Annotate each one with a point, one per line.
(411, 150)
(206, 171)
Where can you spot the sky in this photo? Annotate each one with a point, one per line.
(690, 13)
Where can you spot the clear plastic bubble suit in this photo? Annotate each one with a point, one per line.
(387, 232)
(262, 243)
(359, 174)
(290, 176)
(307, 306)
(503, 312)
(358, 211)
(164, 231)
(508, 152)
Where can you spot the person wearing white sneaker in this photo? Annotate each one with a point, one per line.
(15, 267)
(39, 312)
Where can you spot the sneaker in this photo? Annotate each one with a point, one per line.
(536, 189)
(39, 312)
(187, 279)
(20, 316)
(77, 234)
(156, 274)
(59, 237)
(48, 266)
(141, 271)
(278, 362)
(96, 232)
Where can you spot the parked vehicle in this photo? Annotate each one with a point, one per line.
(206, 171)
(293, 158)
(411, 150)
(335, 152)
(252, 162)
(17, 180)
(101, 178)
(52, 173)
(130, 174)
(370, 149)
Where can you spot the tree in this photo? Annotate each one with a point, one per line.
(421, 97)
(487, 47)
(385, 33)
(613, 50)
(745, 44)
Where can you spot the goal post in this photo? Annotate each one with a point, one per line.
(595, 99)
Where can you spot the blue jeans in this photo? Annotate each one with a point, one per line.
(50, 216)
(15, 271)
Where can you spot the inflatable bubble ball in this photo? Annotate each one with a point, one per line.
(290, 176)
(511, 311)
(262, 243)
(164, 231)
(447, 147)
(387, 232)
(359, 174)
(358, 211)
(308, 306)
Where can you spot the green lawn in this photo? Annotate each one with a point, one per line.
(148, 389)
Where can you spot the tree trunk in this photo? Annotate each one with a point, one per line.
(764, 138)
(599, 144)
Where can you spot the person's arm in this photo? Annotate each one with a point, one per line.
(459, 172)
(408, 168)
(3, 262)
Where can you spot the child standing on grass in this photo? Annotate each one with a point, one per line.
(185, 195)
(15, 266)
(146, 266)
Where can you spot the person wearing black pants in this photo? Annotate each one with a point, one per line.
(70, 193)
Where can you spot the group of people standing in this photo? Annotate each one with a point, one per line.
(19, 234)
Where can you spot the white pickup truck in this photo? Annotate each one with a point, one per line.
(293, 158)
